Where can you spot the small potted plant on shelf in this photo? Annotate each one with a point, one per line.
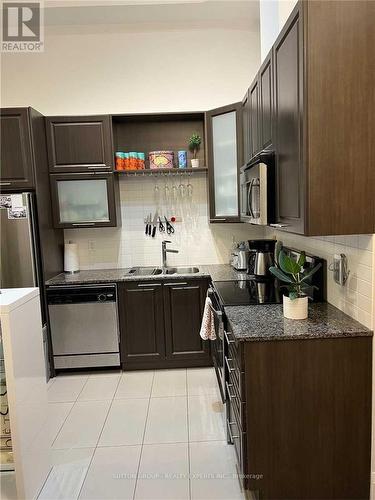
(195, 142)
(296, 279)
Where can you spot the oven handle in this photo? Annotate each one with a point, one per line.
(211, 293)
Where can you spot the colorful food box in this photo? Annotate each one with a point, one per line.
(161, 159)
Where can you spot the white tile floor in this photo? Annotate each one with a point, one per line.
(139, 435)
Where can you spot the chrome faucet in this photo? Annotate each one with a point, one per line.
(165, 250)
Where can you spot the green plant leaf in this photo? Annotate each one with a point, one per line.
(302, 259)
(280, 275)
(278, 249)
(313, 271)
(287, 264)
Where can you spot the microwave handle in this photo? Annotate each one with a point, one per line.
(249, 199)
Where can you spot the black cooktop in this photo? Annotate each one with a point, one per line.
(239, 293)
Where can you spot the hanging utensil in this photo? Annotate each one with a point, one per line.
(161, 226)
(154, 222)
(169, 227)
(147, 220)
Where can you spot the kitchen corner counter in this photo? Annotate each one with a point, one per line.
(266, 322)
(219, 272)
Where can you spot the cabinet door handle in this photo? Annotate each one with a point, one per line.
(232, 396)
(230, 430)
(150, 285)
(218, 219)
(5, 183)
(279, 225)
(94, 167)
(83, 224)
(175, 284)
(228, 365)
(226, 334)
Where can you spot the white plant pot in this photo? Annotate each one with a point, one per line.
(195, 163)
(297, 308)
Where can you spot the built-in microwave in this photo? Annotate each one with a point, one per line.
(257, 184)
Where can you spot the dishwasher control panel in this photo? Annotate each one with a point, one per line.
(75, 295)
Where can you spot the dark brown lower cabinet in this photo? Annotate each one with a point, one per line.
(160, 324)
(141, 323)
(183, 309)
(299, 416)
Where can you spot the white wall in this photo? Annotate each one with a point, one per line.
(269, 25)
(273, 15)
(115, 71)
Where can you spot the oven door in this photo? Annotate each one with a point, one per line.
(218, 344)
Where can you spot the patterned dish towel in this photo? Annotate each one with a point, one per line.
(208, 322)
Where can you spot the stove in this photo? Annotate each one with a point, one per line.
(248, 292)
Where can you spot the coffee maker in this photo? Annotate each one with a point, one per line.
(261, 258)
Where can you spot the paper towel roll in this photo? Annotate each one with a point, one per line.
(71, 261)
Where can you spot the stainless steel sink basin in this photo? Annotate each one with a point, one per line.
(181, 270)
(144, 271)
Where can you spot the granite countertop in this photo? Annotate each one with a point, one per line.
(220, 272)
(266, 322)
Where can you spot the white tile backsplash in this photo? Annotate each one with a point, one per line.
(356, 297)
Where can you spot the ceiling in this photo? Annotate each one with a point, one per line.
(153, 14)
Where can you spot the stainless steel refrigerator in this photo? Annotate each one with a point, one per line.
(20, 260)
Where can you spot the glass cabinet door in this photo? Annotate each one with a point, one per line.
(83, 200)
(225, 158)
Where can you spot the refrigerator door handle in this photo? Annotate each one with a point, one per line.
(31, 208)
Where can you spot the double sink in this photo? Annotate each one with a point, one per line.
(153, 271)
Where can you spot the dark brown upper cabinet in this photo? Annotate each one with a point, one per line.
(225, 157)
(141, 316)
(85, 200)
(17, 159)
(323, 119)
(265, 125)
(288, 64)
(183, 310)
(79, 143)
(246, 128)
(254, 117)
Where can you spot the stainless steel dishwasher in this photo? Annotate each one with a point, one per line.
(84, 326)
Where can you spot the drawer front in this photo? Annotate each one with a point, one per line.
(237, 437)
(235, 375)
(238, 405)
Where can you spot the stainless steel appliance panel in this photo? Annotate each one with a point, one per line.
(84, 328)
(87, 361)
(18, 248)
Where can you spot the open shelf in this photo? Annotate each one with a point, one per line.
(159, 132)
(162, 171)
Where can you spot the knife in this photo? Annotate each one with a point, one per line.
(154, 224)
(149, 224)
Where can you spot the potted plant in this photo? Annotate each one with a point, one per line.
(195, 142)
(296, 279)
